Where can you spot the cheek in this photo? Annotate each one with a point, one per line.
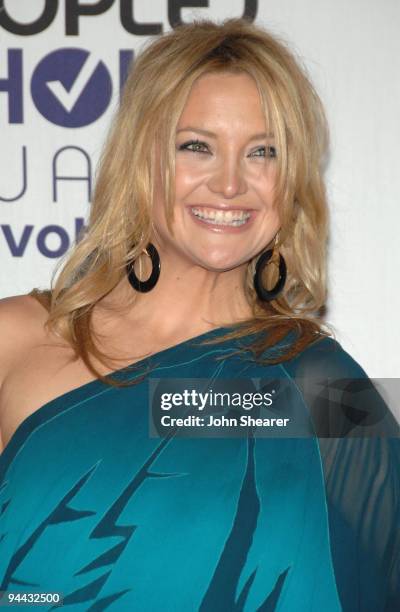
(265, 185)
(187, 177)
(185, 182)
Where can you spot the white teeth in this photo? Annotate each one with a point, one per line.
(222, 217)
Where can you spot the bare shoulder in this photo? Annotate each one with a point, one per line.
(36, 365)
(21, 307)
(24, 360)
(22, 324)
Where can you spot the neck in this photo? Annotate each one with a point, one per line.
(187, 298)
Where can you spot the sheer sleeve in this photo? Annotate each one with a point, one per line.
(360, 451)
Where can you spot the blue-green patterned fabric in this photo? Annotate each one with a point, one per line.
(93, 507)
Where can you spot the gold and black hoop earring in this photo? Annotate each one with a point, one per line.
(146, 285)
(266, 295)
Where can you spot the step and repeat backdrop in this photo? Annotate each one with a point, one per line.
(63, 65)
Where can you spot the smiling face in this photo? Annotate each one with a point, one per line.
(224, 212)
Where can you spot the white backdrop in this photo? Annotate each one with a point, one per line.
(59, 87)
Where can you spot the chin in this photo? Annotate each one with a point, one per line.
(220, 264)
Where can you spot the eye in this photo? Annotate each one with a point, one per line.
(194, 145)
(260, 152)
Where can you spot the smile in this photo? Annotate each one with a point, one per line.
(230, 218)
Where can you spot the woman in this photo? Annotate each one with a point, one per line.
(203, 259)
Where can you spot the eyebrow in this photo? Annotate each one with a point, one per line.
(213, 135)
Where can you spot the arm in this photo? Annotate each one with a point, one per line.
(360, 452)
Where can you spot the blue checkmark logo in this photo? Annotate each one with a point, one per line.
(71, 88)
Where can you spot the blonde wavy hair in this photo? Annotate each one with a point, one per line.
(120, 220)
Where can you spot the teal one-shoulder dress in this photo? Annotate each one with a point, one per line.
(96, 508)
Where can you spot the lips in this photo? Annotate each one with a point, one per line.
(233, 217)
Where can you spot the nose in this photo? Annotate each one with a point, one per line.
(227, 178)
